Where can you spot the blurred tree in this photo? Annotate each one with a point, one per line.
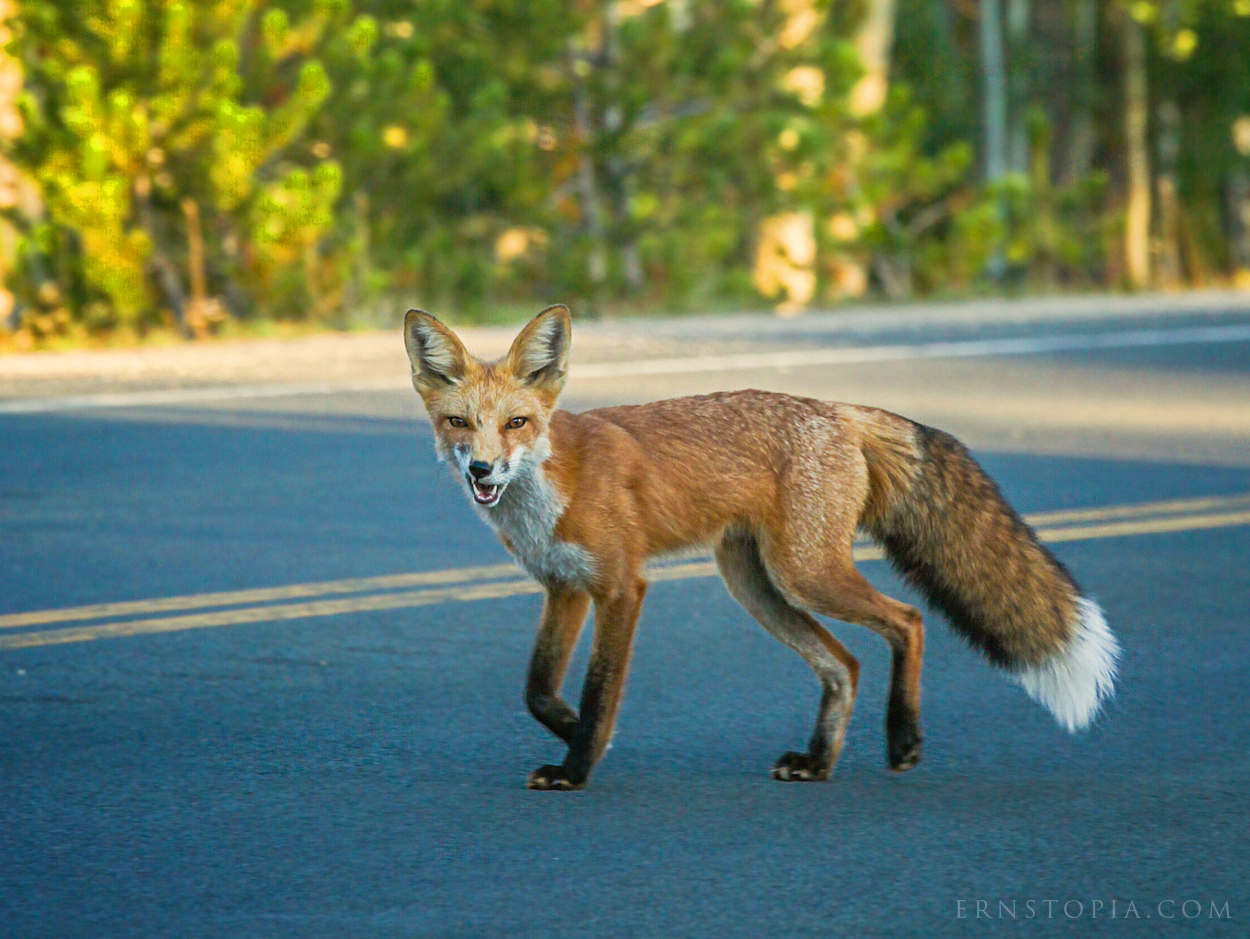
(147, 120)
(1203, 65)
(448, 133)
(716, 122)
(322, 158)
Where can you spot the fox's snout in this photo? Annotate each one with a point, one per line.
(488, 471)
(477, 466)
(486, 479)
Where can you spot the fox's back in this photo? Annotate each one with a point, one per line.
(699, 463)
(725, 427)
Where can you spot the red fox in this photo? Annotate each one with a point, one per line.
(777, 486)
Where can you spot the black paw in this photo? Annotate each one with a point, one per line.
(552, 778)
(800, 767)
(903, 739)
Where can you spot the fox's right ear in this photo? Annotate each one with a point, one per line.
(438, 358)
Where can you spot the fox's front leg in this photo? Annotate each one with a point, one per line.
(616, 616)
(564, 612)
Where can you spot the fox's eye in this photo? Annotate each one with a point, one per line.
(457, 422)
(517, 422)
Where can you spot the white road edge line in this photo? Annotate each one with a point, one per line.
(853, 355)
(138, 399)
(1036, 345)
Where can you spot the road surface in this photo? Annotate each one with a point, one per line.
(261, 667)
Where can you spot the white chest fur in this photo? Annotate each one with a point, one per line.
(526, 516)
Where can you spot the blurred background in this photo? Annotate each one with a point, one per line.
(197, 167)
(262, 669)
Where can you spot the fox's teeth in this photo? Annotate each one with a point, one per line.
(484, 493)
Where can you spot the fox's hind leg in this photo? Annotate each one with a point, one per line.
(839, 591)
(738, 558)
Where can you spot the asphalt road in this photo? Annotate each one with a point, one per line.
(348, 760)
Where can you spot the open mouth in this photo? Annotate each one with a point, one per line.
(484, 494)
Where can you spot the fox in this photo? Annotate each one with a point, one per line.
(777, 486)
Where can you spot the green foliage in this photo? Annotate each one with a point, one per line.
(333, 156)
(1055, 224)
(912, 199)
(133, 108)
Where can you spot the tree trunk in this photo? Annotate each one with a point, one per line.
(1167, 259)
(11, 127)
(356, 288)
(1018, 12)
(202, 313)
(1081, 142)
(995, 109)
(1137, 221)
(582, 62)
(158, 262)
(873, 42)
(1167, 149)
(1238, 215)
(311, 257)
(195, 250)
(995, 95)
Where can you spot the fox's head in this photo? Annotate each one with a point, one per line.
(490, 418)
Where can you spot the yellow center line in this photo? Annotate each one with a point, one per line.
(1147, 527)
(461, 591)
(497, 571)
(1168, 507)
(259, 595)
(271, 614)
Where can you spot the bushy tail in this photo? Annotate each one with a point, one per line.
(946, 527)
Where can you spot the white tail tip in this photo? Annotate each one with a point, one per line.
(1074, 684)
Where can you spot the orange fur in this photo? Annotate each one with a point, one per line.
(777, 484)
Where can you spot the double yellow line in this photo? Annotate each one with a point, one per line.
(466, 584)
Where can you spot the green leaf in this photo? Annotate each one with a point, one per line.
(362, 34)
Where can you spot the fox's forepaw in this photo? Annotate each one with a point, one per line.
(801, 767)
(552, 778)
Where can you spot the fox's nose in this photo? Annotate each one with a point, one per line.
(479, 469)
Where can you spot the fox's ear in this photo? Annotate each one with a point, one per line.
(539, 356)
(438, 358)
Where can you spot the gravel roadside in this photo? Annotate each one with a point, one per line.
(345, 358)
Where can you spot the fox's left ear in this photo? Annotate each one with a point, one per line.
(539, 356)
